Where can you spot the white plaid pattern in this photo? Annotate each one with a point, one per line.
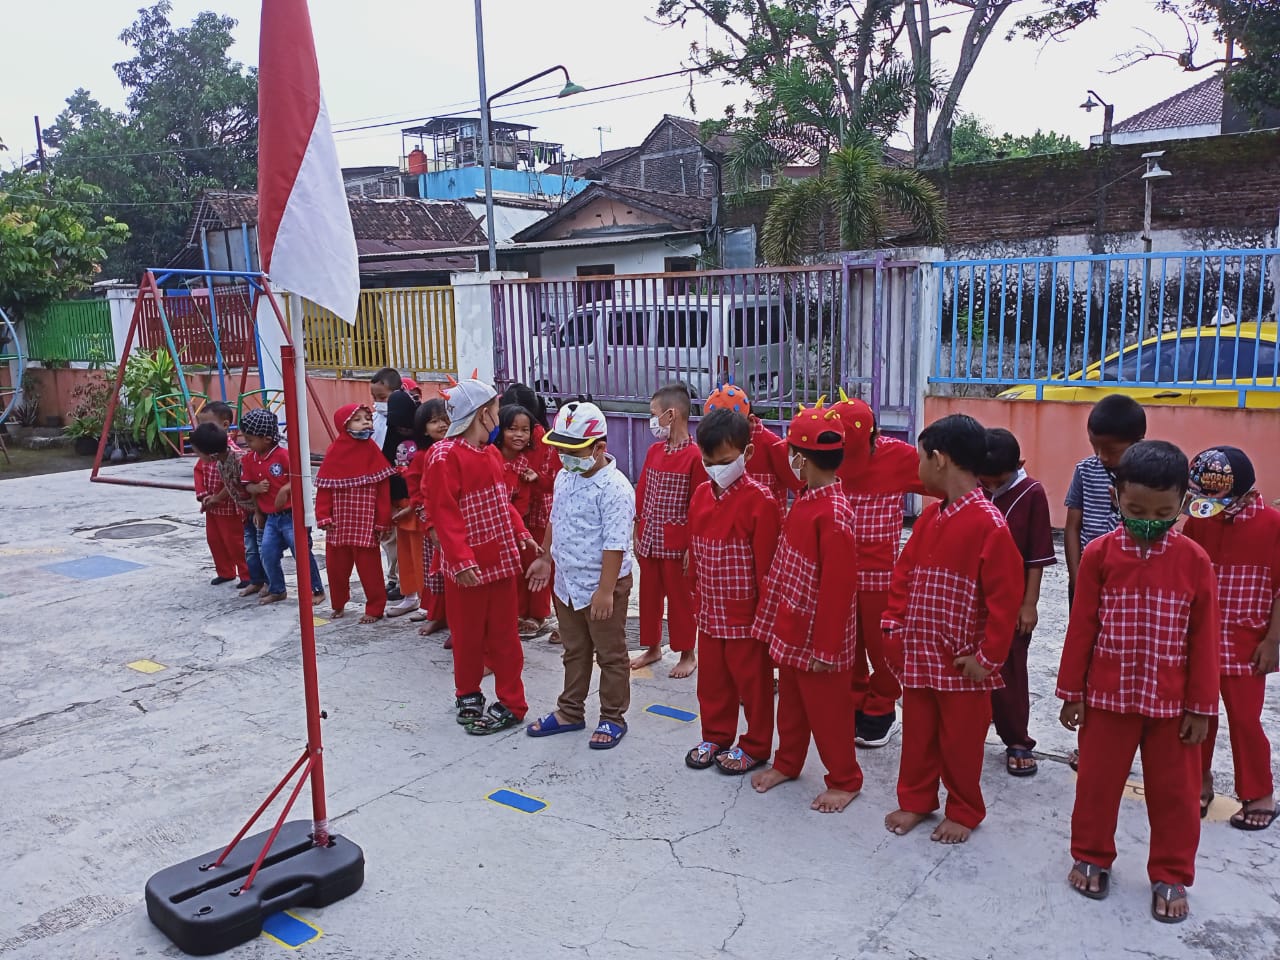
(666, 501)
(211, 480)
(353, 511)
(1245, 596)
(487, 514)
(432, 572)
(877, 525)
(945, 619)
(726, 594)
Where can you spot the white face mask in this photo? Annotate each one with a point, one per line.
(576, 464)
(658, 430)
(724, 475)
(797, 464)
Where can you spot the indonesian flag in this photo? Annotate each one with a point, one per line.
(305, 239)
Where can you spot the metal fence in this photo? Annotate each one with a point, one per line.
(204, 328)
(1172, 321)
(410, 328)
(71, 331)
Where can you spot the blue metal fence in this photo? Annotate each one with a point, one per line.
(1184, 321)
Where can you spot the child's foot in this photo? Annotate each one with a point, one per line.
(219, 581)
(369, 618)
(242, 584)
(1090, 879)
(1206, 795)
(833, 801)
(337, 613)
(949, 831)
(430, 627)
(252, 588)
(317, 598)
(685, 666)
(766, 780)
(554, 637)
(1020, 762)
(1169, 902)
(448, 642)
(267, 598)
(902, 822)
(528, 628)
(408, 605)
(645, 657)
(1255, 814)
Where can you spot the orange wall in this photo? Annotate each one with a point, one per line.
(1053, 436)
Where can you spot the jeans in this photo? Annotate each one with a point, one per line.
(252, 556)
(277, 536)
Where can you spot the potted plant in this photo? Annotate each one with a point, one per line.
(89, 413)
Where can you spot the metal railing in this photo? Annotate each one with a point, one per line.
(1174, 321)
(410, 328)
(71, 331)
(204, 329)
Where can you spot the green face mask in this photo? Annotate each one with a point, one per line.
(1149, 530)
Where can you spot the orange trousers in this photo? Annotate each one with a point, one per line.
(943, 735)
(408, 552)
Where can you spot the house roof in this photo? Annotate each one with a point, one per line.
(720, 143)
(580, 165)
(683, 212)
(536, 246)
(1193, 107)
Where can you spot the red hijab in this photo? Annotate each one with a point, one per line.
(350, 462)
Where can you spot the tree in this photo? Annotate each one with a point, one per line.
(51, 243)
(189, 123)
(972, 141)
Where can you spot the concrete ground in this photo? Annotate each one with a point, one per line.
(108, 774)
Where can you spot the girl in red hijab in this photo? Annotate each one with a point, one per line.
(353, 507)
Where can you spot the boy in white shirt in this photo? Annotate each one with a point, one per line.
(588, 544)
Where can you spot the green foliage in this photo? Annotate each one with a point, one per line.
(148, 375)
(972, 141)
(190, 123)
(89, 405)
(51, 241)
(1254, 81)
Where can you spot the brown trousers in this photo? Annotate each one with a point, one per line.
(604, 642)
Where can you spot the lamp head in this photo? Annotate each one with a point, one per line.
(570, 89)
(1089, 104)
(1156, 172)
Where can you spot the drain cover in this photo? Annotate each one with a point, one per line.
(134, 531)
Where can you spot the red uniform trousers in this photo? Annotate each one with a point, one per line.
(367, 562)
(1011, 707)
(818, 705)
(534, 604)
(733, 672)
(875, 689)
(408, 552)
(226, 542)
(1250, 750)
(943, 734)
(485, 634)
(1170, 785)
(659, 580)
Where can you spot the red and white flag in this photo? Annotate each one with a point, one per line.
(306, 243)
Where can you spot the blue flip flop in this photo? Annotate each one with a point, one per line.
(550, 725)
(611, 730)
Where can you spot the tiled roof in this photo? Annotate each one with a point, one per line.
(580, 165)
(684, 212)
(721, 143)
(1201, 104)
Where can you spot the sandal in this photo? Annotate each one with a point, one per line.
(498, 718)
(551, 725)
(1020, 753)
(1073, 760)
(744, 761)
(1240, 820)
(702, 756)
(1089, 871)
(1168, 892)
(1205, 804)
(613, 731)
(470, 708)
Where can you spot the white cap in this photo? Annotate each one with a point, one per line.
(464, 401)
(578, 424)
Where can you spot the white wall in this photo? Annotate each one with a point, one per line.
(473, 318)
(640, 257)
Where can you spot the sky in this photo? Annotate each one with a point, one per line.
(393, 60)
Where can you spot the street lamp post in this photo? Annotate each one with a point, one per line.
(1154, 173)
(1108, 114)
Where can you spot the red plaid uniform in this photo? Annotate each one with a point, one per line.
(732, 542)
(956, 591)
(1144, 631)
(770, 463)
(208, 478)
(814, 557)
(521, 493)
(472, 513)
(353, 513)
(546, 464)
(671, 473)
(877, 527)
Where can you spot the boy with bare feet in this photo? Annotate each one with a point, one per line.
(952, 607)
(1140, 671)
(672, 471)
(808, 617)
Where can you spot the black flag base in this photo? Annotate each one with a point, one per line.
(203, 909)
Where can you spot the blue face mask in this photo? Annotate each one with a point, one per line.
(493, 434)
(361, 434)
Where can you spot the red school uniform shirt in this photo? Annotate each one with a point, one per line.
(875, 488)
(545, 462)
(272, 467)
(809, 608)
(770, 463)
(1144, 629)
(956, 591)
(472, 513)
(670, 475)
(1025, 507)
(1245, 553)
(519, 490)
(732, 538)
(354, 514)
(208, 478)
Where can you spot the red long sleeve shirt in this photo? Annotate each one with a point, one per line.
(667, 481)
(272, 467)
(208, 479)
(956, 591)
(809, 608)
(732, 538)
(875, 488)
(354, 515)
(1144, 629)
(770, 463)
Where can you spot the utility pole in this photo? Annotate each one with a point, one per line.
(39, 145)
(487, 153)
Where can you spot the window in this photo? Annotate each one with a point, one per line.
(1237, 365)
(579, 330)
(592, 291)
(766, 181)
(682, 328)
(627, 328)
(679, 285)
(758, 325)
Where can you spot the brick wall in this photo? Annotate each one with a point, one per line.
(646, 170)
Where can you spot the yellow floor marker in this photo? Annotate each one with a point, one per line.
(146, 666)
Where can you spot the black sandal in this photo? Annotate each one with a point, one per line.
(470, 708)
(703, 755)
(1089, 871)
(1020, 753)
(1240, 819)
(1206, 804)
(498, 718)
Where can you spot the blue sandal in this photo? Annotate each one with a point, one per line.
(613, 731)
(550, 725)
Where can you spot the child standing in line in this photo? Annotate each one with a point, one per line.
(265, 472)
(544, 461)
(393, 410)
(523, 469)
(481, 536)
(404, 520)
(1025, 507)
(672, 471)
(769, 462)
(952, 609)
(808, 617)
(1140, 671)
(1241, 534)
(229, 459)
(876, 472)
(430, 424)
(589, 539)
(223, 518)
(734, 523)
(353, 507)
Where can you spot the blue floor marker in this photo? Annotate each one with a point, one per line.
(672, 713)
(518, 801)
(92, 568)
(289, 931)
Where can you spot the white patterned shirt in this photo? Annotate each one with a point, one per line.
(589, 515)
